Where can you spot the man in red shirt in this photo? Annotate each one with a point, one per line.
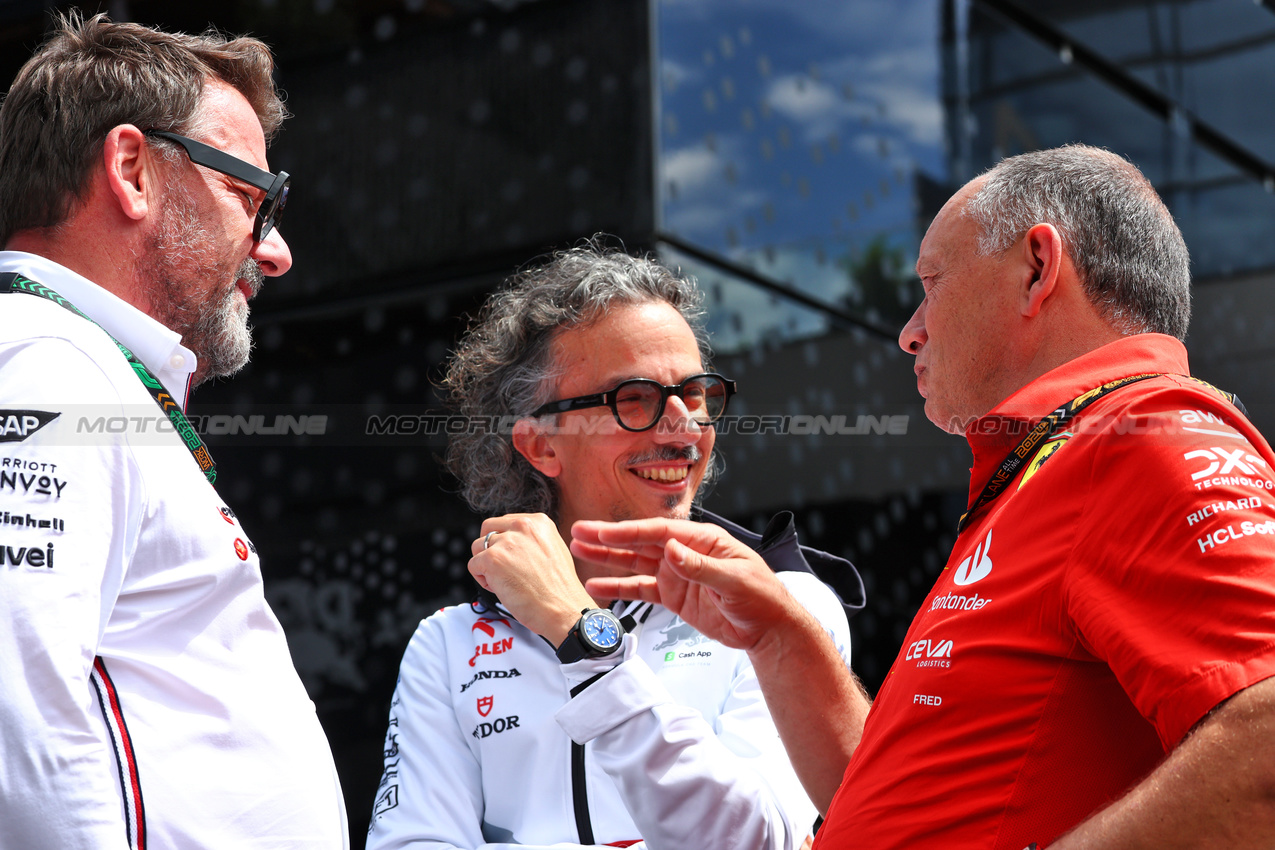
(1093, 666)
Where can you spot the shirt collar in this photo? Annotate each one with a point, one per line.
(154, 344)
(993, 436)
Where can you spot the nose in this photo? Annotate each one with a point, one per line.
(676, 427)
(272, 254)
(913, 335)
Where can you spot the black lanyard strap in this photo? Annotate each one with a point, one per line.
(1043, 430)
(1051, 424)
(11, 282)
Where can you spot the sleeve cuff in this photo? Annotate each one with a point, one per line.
(628, 689)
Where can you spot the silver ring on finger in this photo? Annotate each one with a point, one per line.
(487, 539)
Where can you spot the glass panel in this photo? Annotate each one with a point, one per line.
(795, 139)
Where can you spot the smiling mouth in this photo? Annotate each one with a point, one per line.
(667, 475)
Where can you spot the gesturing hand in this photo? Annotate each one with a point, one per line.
(697, 570)
(526, 564)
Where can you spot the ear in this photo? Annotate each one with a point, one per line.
(130, 171)
(1043, 249)
(535, 445)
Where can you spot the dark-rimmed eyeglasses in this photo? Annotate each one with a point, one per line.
(638, 404)
(274, 185)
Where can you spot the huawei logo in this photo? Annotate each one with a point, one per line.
(977, 566)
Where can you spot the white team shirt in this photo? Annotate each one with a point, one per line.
(148, 694)
(680, 750)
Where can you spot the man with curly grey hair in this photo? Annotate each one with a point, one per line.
(540, 715)
(1095, 666)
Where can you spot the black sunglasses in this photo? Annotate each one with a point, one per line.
(274, 185)
(638, 404)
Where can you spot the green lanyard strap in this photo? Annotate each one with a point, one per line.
(1048, 426)
(11, 282)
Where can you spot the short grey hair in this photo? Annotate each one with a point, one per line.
(503, 365)
(1126, 248)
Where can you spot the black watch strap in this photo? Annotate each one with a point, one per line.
(576, 647)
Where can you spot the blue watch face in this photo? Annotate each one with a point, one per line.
(600, 630)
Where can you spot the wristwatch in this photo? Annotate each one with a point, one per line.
(597, 633)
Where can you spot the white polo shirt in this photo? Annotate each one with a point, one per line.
(148, 696)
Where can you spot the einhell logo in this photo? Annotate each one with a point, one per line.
(977, 566)
(494, 647)
(17, 425)
(485, 704)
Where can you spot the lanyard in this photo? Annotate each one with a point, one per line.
(10, 282)
(1043, 429)
(1054, 422)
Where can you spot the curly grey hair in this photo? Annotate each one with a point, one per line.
(1124, 243)
(503, 365)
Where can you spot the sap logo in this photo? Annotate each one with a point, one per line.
(677, 632)
(17, 425)
(485, 704)
(28, 556)
(500, 724)
(977, 566)
(1222, 461)
(929, 649)
(490, 674)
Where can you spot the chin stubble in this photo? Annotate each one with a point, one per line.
(175, 268)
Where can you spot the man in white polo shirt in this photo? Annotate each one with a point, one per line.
(149, 697)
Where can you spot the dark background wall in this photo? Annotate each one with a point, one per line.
(437, 145)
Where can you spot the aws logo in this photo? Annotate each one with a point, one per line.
(977, 566)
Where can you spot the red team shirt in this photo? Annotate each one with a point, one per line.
(1087, 619)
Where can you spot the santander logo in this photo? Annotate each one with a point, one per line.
(977, 566)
